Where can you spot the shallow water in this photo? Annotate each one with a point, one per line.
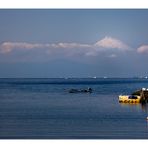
(43, 108)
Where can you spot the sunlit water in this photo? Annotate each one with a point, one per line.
(43, 108)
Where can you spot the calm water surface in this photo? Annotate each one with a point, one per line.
(43, 108)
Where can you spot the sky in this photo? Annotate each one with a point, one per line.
(47, 43)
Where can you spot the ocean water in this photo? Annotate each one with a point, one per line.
(44, 109)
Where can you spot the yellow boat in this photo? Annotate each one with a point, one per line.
(129, 99)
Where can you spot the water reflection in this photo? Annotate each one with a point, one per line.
(143, 106)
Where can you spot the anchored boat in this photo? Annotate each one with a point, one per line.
(129, 99)
(139, 96)
(88, 90)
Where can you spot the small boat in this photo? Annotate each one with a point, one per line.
(129, 99)
(88, 90)
(139, 96)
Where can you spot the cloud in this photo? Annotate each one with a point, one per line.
(7, 47)
(70, 45)
(143, 49)
(109, 45)
(112, 43)
(10, 46)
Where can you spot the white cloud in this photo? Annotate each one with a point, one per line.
(143, 49)
(70, 45)
(112, 43)
(9, 46)
(108, 45)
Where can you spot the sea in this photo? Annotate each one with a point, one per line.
(44, 109)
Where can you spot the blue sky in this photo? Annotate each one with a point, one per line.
(73, 43)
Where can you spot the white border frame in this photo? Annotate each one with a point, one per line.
(73, 4)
